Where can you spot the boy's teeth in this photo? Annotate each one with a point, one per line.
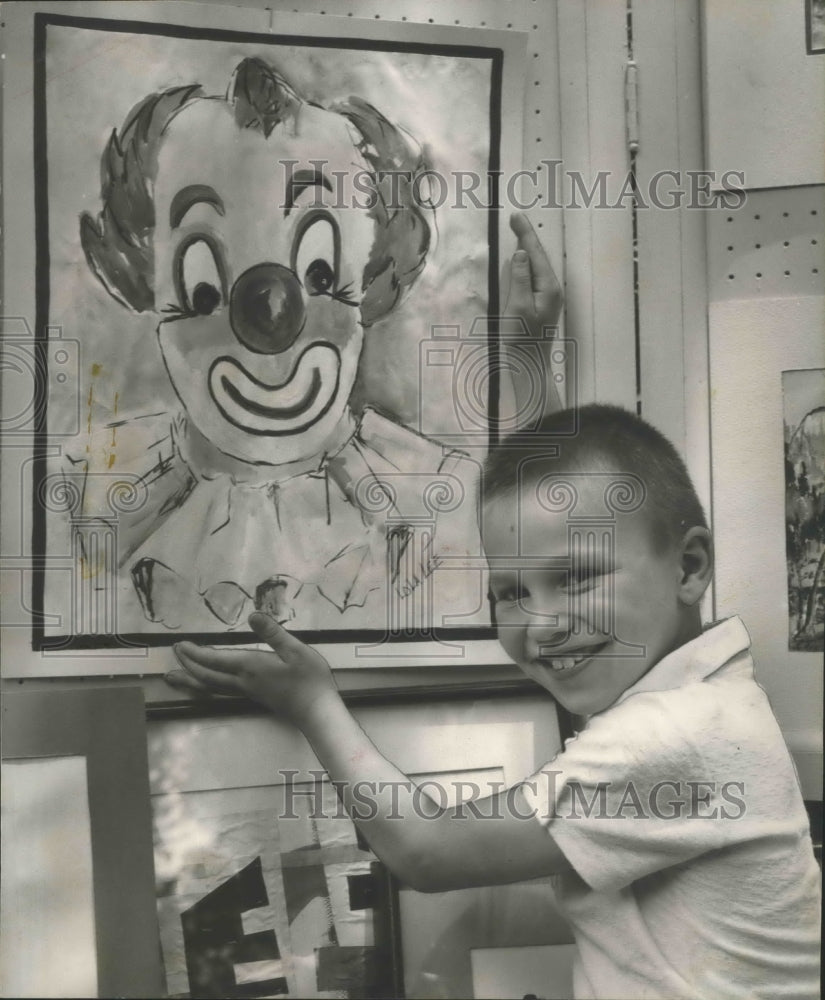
(561, 663)
(566, 662)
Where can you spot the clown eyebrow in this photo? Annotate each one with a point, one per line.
(194, 194)
(301, 180)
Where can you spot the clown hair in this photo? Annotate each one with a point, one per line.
(402, 233)
(118, 244)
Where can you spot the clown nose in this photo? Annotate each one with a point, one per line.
(266, 308)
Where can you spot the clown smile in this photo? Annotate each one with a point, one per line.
(286, 408)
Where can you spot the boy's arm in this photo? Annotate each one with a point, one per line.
(426, 847)
(533, 295)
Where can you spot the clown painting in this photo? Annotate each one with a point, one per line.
(268, 237)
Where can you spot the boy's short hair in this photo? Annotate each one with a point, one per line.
(607, 438)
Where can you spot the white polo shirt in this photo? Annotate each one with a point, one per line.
(680, 812)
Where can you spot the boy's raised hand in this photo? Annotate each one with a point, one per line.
(290, 680)
(534, 295)
(533, 290)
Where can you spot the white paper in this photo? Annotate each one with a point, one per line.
(546, 971)
(47, 947)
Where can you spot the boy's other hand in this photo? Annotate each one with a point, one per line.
(533, 290)
(533, 294)
(290, 680)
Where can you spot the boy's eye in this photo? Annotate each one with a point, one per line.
(583, 579)
(509, 593)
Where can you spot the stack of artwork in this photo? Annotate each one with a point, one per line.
(267, 892)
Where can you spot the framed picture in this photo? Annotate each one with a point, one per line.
(219, 406)
(268, 891)
(763, 61)
(450, 940)
(804, 431)
(265, 888)
(78, 911)
(814, 26)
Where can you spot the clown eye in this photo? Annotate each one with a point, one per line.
(199, 279)
(315, 257)
(319, 277)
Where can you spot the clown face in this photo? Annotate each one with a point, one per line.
(258, 270)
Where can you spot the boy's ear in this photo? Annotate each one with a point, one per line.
(696, 564)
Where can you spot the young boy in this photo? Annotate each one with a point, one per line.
(673, 820)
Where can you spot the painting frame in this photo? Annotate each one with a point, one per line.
(47, 652)
(106, 727)
(440, 932)
(814, 27)
(438, 722)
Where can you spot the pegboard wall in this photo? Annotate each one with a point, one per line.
(771, 247)
(535, 17)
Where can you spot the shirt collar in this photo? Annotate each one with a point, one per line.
(696, 660)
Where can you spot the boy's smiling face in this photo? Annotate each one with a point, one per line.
(585, 624)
